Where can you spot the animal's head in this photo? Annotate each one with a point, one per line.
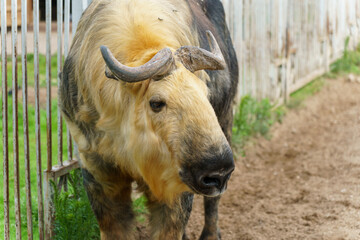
(180, 143)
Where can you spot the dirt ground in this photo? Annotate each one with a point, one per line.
(303, 183)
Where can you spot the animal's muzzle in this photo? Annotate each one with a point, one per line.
(210, 175)
(216, 180)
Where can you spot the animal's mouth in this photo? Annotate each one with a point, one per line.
(208, 173)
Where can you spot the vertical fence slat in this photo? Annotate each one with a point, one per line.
(5, 120)
(84, 4)
(25, 118)
(59, 64)
(48, 85)
(66, 27)
(37, 120)
(66, 51)
(15, 118)
(246, 51)
(47, 194)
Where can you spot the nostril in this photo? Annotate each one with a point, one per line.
(211, 181)
(228, 174)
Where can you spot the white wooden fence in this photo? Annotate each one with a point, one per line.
(283, 44)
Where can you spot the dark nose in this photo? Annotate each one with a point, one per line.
(214, 179)
(217, 171)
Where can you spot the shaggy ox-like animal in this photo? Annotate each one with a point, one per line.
(145, 102)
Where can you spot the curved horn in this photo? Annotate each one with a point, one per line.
(195, 58)
(160, 64)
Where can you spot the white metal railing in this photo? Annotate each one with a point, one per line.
(43, 190)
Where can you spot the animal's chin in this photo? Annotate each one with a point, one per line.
(212, 192)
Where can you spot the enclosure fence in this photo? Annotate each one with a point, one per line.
(281, 45)
(55, 173)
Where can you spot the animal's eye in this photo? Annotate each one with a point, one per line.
(157, 105)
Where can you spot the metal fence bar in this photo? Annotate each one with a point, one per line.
(66, 27)
(59, 64)
(15, 118)
(25, 118)
(47, 194)
(48, 85)
(5, 120)
(66, 51)
(77, 8)
(37, 120)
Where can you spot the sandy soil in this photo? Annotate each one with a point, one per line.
(304, 183)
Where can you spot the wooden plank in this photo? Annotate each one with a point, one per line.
(305, 80)
(58, 170)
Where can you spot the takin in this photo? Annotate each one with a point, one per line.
(147, 92)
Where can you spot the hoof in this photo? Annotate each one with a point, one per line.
(207, 235)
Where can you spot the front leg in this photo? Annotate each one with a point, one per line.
(112, 207)
(169, 222)
(211, 230)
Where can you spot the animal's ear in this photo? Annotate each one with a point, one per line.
(161, 64)
(195, 58)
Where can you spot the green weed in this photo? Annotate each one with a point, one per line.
(139, 207)
(253, 118)
(74, 218)
(349, 63)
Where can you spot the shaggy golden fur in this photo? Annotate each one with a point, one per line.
(144, 144)
(171, 153)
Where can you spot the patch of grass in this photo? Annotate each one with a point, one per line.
(33, 176)
(32, 145)
(253, 118)
(139, 207)
(349, 63)
(74, 218)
